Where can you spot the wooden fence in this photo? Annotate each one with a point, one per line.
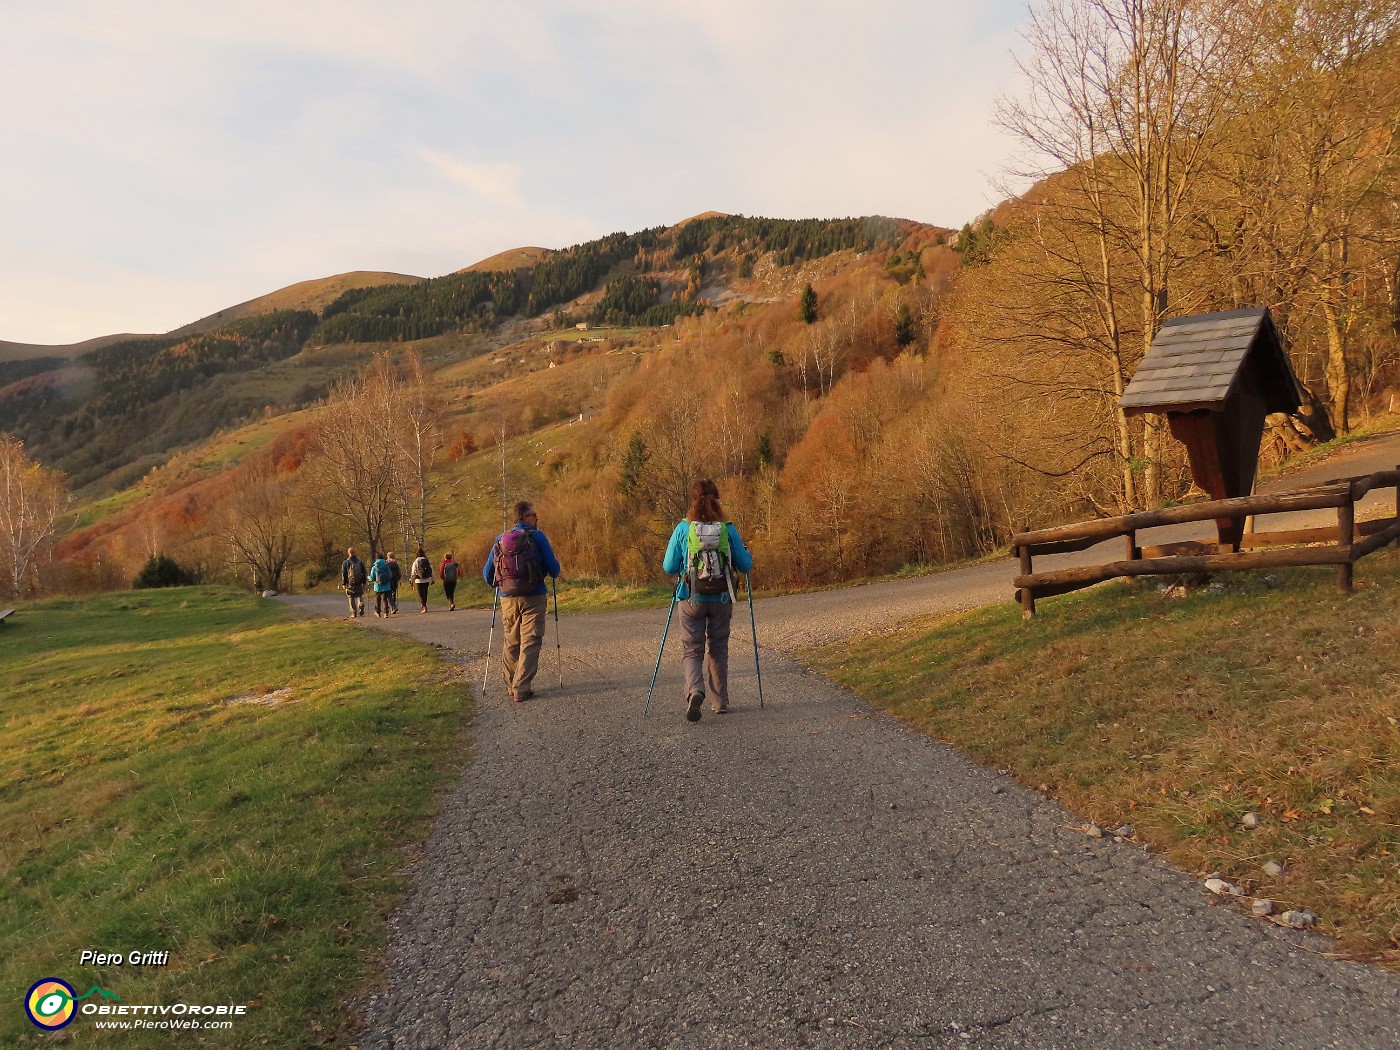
(1341, 545)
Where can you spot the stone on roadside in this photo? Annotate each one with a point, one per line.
(269, 594)
(1299, 920)
(1125, 831)
(1224, 888)
(1262, 907)
(1250, 821)
(1093, 831)
(1273, 869)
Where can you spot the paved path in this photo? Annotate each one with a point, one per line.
(810, 874)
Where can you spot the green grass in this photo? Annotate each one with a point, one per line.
(141, 808)
(1274, 695)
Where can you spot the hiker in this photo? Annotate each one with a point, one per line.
(395, 578)
(352, 579)
(421, 575)
(381, 577)
(703, 549)
(447, 573)
(516, 568)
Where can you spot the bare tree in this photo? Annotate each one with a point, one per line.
(352, 455)
(31, 503)
(417, 424)
(1125, 96)
(258, 521)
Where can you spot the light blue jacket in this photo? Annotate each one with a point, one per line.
(381, 576)
(677, 556)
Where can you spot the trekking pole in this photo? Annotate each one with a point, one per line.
(553, 586)
(486, 674)
(753, 630)
(674, 595)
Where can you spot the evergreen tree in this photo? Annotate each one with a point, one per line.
(807, 306)
(904, 326)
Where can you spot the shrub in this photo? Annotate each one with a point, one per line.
(161, 571)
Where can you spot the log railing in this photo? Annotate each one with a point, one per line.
(1341, 545)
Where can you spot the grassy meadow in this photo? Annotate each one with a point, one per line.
(194, 771)
(1269, 694)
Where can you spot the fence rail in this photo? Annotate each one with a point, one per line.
(1343, 544)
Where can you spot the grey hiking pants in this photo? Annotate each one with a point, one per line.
(522, 621)
(703, 622)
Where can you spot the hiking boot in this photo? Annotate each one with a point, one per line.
(720, 709)
(693, 705)
(525, 695)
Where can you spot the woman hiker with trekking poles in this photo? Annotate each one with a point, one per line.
(520, 559)
(702, 550)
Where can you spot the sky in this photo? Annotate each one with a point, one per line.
(160, 161)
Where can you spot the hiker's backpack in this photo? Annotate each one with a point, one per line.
(707, 558)
(422, 569)
(517, 563)
(449, 572)
(356, 575)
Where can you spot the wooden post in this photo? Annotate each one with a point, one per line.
(1397, 504)
(1133, 553)
(1346, 532)
(1027, 595)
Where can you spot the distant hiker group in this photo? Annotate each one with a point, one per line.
(384, 577)
(703, 553)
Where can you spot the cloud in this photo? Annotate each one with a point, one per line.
(174, 150)
(497, 183)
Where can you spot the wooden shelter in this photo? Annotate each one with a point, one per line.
(1215, 377)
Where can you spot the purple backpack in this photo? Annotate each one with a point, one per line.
(517, 564)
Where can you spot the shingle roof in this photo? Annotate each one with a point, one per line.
(1193, 361)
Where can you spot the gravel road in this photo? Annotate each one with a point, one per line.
(808, 874)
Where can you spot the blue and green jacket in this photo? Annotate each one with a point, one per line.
(678, 552)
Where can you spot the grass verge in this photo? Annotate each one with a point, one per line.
(1267, 693)
(193, 771)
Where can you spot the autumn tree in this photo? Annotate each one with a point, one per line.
(1305, 200)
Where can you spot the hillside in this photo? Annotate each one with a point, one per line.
(108, 415)
(61, 351)
(571, 387)
(514, 259)
(314, 296)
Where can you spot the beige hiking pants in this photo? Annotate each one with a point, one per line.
(522, 621)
